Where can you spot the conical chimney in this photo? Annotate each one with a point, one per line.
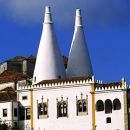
(49, 62)
(79, 63)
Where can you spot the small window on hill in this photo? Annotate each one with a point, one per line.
(4, 112)
(15, 112)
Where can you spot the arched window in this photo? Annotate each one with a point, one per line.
(80, 106)
(116, 104)
(62, 109)
(100, 105)
(42, 110)
(108, 106)
(84, 106)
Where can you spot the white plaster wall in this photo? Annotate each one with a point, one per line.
(8, 106)
(117, 116)
(73, 122)
(3, 67)
(5, 85)
(10, 109)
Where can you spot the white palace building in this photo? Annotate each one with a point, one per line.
(70, 99)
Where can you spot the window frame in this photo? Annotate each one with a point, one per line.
(80, 106)
(62, 108)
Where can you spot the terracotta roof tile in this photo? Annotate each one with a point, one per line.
(64, 80)
(11, 76)
(8, 94)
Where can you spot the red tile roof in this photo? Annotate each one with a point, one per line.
(8, 94)
(11, 76)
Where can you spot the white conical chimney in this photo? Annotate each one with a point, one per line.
(79, 63)
(49, 62)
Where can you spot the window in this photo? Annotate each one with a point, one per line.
(100, 105)
(24, 97)
(15, 112)
(116, 104)
(42, 110)
(108, 106)
(62, 109)
(22, 113)
(4, 112)
(15, 124)
(82, 107)
(27, 113)
(34, 79)
(108, 120)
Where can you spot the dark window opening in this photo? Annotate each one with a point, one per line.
(116, 104)
(108, 106)
(108, 120)
(34, 79)
(15, 124)
(22, 113)
(15, 112)
(4, 112)
(100, 105)
(24, 97)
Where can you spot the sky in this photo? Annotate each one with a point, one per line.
(106, 25)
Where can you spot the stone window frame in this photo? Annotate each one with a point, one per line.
(63, 107)
(43, 105)
(80, 103)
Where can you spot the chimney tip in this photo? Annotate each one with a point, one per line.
(47, 9)
(78, 12)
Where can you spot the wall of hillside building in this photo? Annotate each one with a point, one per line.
(9, 84)
(117, 116)
(10, 117)
(72, 122)
(3, 67)
(26, 67)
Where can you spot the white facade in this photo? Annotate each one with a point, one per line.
(55, 102)
(116, 116)
(53, 92)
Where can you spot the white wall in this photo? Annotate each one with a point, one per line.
(5, 85)
(117, 116)
(73, 122)
(3, 67)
